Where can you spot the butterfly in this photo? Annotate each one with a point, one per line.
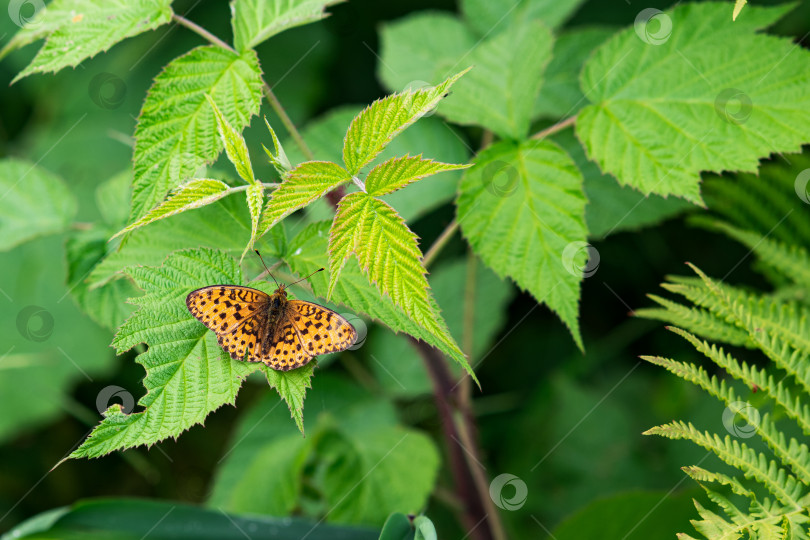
(255, 326)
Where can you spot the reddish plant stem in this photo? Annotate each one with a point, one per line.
(473, 510)
(335, 195)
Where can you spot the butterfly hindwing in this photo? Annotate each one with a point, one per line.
(245, 339)
(286, 350)
(321, 329)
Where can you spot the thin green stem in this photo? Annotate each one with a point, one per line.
(486, 138)
(268, 92)
(243, 188)
(197, 29)
(285, 119)
(551, 130)
(468, 328)
(440, 242)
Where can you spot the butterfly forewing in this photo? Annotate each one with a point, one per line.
(257, 327)
(223, 308)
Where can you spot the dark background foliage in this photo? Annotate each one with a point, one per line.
(568, 424)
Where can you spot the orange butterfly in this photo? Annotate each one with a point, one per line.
(257, 327)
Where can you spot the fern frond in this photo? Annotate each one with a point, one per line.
(703, 477)
(793, 454)
(755, 465)
(700, 321)
(714, 526)
(784, 356)
(778, 325)
(757, 201)
(752, 376)
(790, 260)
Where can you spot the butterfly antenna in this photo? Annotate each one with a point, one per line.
(309, 276)
(268, 270)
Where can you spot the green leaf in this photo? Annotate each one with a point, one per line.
(244, 482)
(84, 249)
(106, 305)
(492, 16)
(396, 364)
(634, 516)
(428, 136)
(384, 119)
(397, 527)
(255, 21)
(215, 226)
(234, 143)
(48, 345)
(365, 226)
(612, 208)
(389, 256)
(425, 530)
(560, 95)
(308, 251)
(278, 159)
(255, 200)
(176, 131)
(34, 203)
(415, 47)
(194, 194)
(521, 207)
(133, 519)
(738, 6)
(355, 435)
(112, 199)
(499, 93)
(302, 185)
(404, 463)
(44, 21)
(187, 374)
(712, 95)
(394, 361)
(92, 27)
(397, 173)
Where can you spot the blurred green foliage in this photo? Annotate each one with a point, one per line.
(566, 423)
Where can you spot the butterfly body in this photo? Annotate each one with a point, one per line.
(255, 326)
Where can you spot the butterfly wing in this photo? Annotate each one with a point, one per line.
(306, 331)
(238, 316)
(285, 351)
